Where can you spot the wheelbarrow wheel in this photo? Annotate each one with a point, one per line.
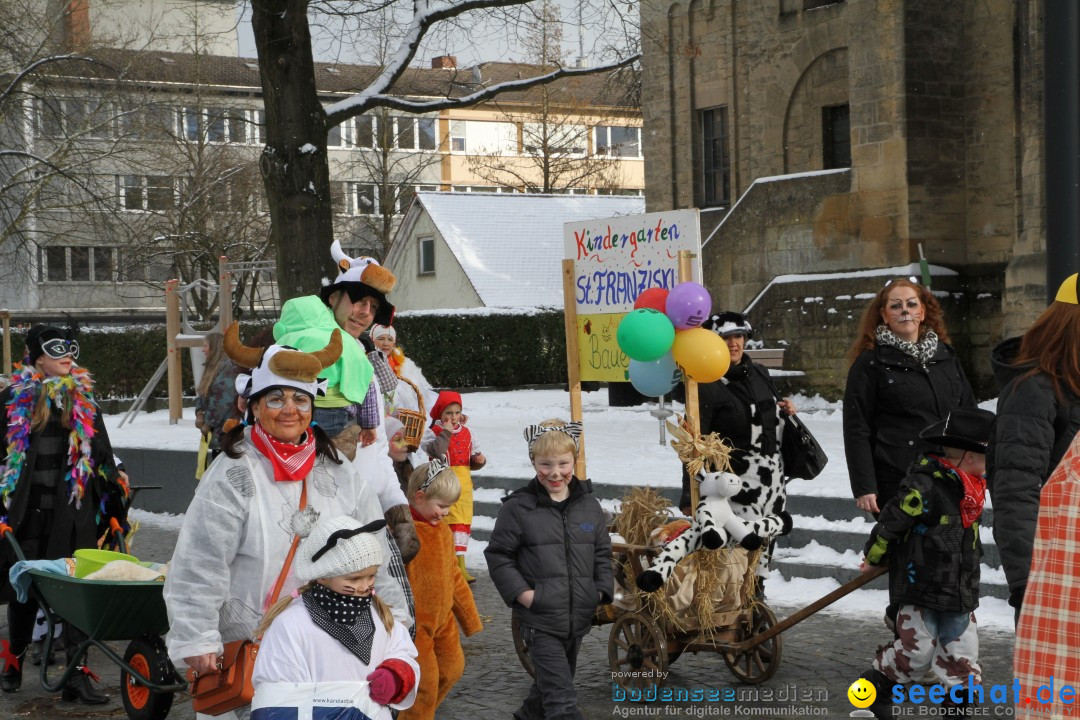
(521, 647)
(761, 662)
(637, 651)
(146, 655)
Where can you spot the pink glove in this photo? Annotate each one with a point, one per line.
(384, 685)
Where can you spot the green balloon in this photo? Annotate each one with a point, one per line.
(645, 335)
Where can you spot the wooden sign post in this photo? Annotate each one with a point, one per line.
(609, 262)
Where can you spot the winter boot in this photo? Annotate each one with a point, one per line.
(78, 689)
(464, 573)
(11, 677)
(882, 705)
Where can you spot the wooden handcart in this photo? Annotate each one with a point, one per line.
(641, 647)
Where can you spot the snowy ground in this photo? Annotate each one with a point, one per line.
(622, 446)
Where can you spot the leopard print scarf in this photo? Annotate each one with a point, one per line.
(922, 350)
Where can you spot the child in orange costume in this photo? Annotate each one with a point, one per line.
(452, 440)
(443, 599)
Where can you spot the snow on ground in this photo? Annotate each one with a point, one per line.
(622, 447)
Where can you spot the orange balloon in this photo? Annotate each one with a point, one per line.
(701, 354)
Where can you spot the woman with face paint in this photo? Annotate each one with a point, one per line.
(904, 376)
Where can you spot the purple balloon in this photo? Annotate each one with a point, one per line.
(688, 305)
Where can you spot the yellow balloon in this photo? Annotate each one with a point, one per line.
(701, 354)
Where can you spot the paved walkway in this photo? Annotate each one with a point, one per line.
(821, 657)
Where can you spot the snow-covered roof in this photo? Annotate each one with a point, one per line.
(511, 245)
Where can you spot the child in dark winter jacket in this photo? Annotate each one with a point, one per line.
(550, 559)
(929, 535)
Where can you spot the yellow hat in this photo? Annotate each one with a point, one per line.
(1067, 292)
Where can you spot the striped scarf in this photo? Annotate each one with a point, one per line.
(291, 462)
(29, 387)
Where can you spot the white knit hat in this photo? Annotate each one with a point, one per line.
(377, 331)
(339, 546)
(392, 426)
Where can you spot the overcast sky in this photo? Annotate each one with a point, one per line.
(488, 40)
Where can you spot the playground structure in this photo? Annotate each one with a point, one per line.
(180, 332)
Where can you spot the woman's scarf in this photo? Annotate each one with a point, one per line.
(76, 390)
(922, 350)
(290, 462)
(346, 618)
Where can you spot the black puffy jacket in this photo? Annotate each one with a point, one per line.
(1032, 431)
(889, 399)
(562, 553)
(933, 559)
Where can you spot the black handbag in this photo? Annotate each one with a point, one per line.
(802, 454)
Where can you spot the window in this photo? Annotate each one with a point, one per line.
(150, 122)
(73, 263)
(147, 192)
(338, 204)
(365, 131)
(68, 117)
(428, 140)
(427, 256)
(715, 164)
(554, 139)
(220, 124)
(365, 199)
(406, 194)
(631, 192)
(406, 132)
(836, 136)
(618, 141)
(340, 135)
(257, 127)
(457, 136)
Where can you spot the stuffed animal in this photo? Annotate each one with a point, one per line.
(715, 523)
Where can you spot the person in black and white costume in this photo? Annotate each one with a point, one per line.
(742, 408)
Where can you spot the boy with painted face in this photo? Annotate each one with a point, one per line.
(550, 559)
(928, 534)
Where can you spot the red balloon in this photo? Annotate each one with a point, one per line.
(655, 298)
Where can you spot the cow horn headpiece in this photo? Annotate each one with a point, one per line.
(280, 365)
(361, 277)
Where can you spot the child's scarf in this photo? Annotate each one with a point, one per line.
(971, 505)
(29, 386)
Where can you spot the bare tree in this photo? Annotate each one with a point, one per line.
(298, 180)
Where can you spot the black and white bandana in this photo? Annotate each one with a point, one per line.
(346, 618)
(922, 350)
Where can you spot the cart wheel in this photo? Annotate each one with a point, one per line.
(147, 656)
(522, 649)
(637, 645)
(761, 662)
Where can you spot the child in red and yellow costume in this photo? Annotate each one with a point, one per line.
(443, 599)
(454, 442)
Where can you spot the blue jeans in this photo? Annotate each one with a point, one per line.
(334, 420)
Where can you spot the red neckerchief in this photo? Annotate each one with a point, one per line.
(971, 505)
(290, 462)
(420, 518)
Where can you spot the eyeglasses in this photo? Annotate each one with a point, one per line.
(58, 348)
(276, 401)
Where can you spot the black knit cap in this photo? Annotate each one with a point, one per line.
(39, 334)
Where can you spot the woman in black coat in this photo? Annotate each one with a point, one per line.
(742, 408)
(904, 377)
(56, 468)
(1038, 416)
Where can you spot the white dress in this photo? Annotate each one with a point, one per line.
(234, 540)
(296, 650)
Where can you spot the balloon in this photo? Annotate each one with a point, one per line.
(645, 334)
(656, 377)
(655, 298)
(701, 354)
(688, 304)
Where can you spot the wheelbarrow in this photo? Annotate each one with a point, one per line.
(109, 611)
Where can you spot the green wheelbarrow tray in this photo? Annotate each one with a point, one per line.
(105, 610)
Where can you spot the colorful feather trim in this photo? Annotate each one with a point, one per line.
(27, 387)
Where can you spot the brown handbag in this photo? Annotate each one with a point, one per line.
(231, 687)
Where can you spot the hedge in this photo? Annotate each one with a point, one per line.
(457, 349)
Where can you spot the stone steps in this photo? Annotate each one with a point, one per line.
(829, 528)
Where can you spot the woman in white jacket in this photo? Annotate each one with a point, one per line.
(248, 507)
